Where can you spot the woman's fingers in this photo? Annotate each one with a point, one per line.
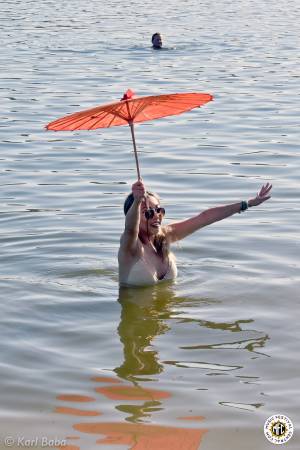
(265, 189)
(268, 188)
(263, 194)
(138, 185)
(138, 189)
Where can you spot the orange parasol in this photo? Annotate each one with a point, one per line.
(130, 110)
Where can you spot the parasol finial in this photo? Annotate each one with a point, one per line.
(128, 95)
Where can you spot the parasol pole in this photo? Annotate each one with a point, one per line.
(137, 162)
(135, 150)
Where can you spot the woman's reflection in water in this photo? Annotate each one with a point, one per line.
(143, 316)
(147, 313)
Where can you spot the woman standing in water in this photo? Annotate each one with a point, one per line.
(144, 254)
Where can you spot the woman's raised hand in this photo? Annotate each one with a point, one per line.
(261, 196)
(138, 190)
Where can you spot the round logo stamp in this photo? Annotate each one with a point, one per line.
(278, 429)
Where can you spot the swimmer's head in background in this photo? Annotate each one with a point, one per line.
(156, 40)
(130, 199)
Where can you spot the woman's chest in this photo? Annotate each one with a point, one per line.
(153, 260)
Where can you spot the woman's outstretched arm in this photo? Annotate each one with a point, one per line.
(180, 230)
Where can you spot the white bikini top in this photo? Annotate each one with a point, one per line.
(143, 274)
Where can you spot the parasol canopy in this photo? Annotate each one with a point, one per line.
(130, 110)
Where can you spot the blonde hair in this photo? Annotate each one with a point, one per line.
(161, 245)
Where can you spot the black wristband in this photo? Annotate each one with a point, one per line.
(244, 206)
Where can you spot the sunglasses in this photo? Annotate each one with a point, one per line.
(149, 213)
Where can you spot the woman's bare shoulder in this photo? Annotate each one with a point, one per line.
(168, 231)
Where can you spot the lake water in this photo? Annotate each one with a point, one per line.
(198, 363)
